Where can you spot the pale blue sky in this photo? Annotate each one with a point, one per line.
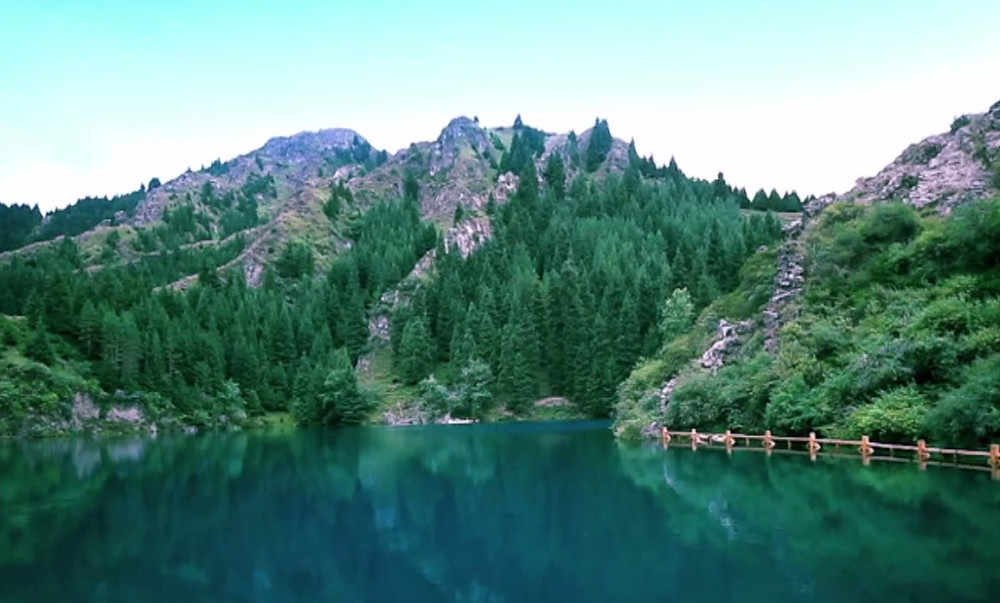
(98, 97)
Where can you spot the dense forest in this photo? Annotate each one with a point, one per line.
(573, 267)
(20, 224)
(17, 223)
(567, 273)
(897, 336)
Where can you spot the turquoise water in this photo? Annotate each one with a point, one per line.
(523, 512)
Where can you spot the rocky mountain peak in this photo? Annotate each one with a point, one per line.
(461, 132)
(307, 143)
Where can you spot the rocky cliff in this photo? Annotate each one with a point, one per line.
(943, 170)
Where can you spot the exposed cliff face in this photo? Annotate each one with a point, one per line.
(941, 171)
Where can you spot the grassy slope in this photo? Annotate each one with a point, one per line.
(34, 398)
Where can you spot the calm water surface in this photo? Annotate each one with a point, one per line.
(528, 512)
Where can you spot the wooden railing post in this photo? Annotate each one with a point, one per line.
(666, 437)
(768, 440)
(922, 454)
(694, 440)
(813, 445)
(995, 461)
(866, 447)
(866, 450)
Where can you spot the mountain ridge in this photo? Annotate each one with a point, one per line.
(459, 168)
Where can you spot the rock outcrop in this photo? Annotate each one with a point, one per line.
(724, 346)
(941, 171)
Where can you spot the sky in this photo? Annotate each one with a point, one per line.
(97, 97)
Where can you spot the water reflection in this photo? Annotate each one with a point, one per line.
(480, 513)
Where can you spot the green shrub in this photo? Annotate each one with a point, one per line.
(895, 416)
(8, 332)
(910, 181)
(792, 408)
(891, 223)
(959, 123)
(839, 213)
(952, 315)
(929, 152)
(969, 413)
(435, 398)
(696, 403)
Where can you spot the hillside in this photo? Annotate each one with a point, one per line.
(466, 277)
(878, 315)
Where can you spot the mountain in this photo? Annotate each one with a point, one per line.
(878, 315)
(469, 277)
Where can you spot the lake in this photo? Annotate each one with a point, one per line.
(481, 513)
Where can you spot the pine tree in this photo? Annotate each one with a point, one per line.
(416, 351)
(281, 340)
(599, 145)
(131, 351)
(39, 348)
(90, 329)
(60, 317)
(555, 175)
(111, 348)
(774, 202)
(339, 399)
(760, 201)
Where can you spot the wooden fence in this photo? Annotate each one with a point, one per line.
(921, 453)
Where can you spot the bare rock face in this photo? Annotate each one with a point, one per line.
(724, 346)
(292, 159)
(788, 285)
(469, 235)
(666, 392)
(941, 171)
(461, 136)
(308, 144)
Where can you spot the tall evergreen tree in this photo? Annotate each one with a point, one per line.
(416, 351)
(599, 145)
(555, 175)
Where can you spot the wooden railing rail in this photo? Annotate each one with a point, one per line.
(921, 452)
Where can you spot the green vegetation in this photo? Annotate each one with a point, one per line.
(574, 266)
(959, 123)
(896, 336)
(599, 145)
(19, 222)
(526, 146)
(563, 277)
(219, 351)
(86, 214)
